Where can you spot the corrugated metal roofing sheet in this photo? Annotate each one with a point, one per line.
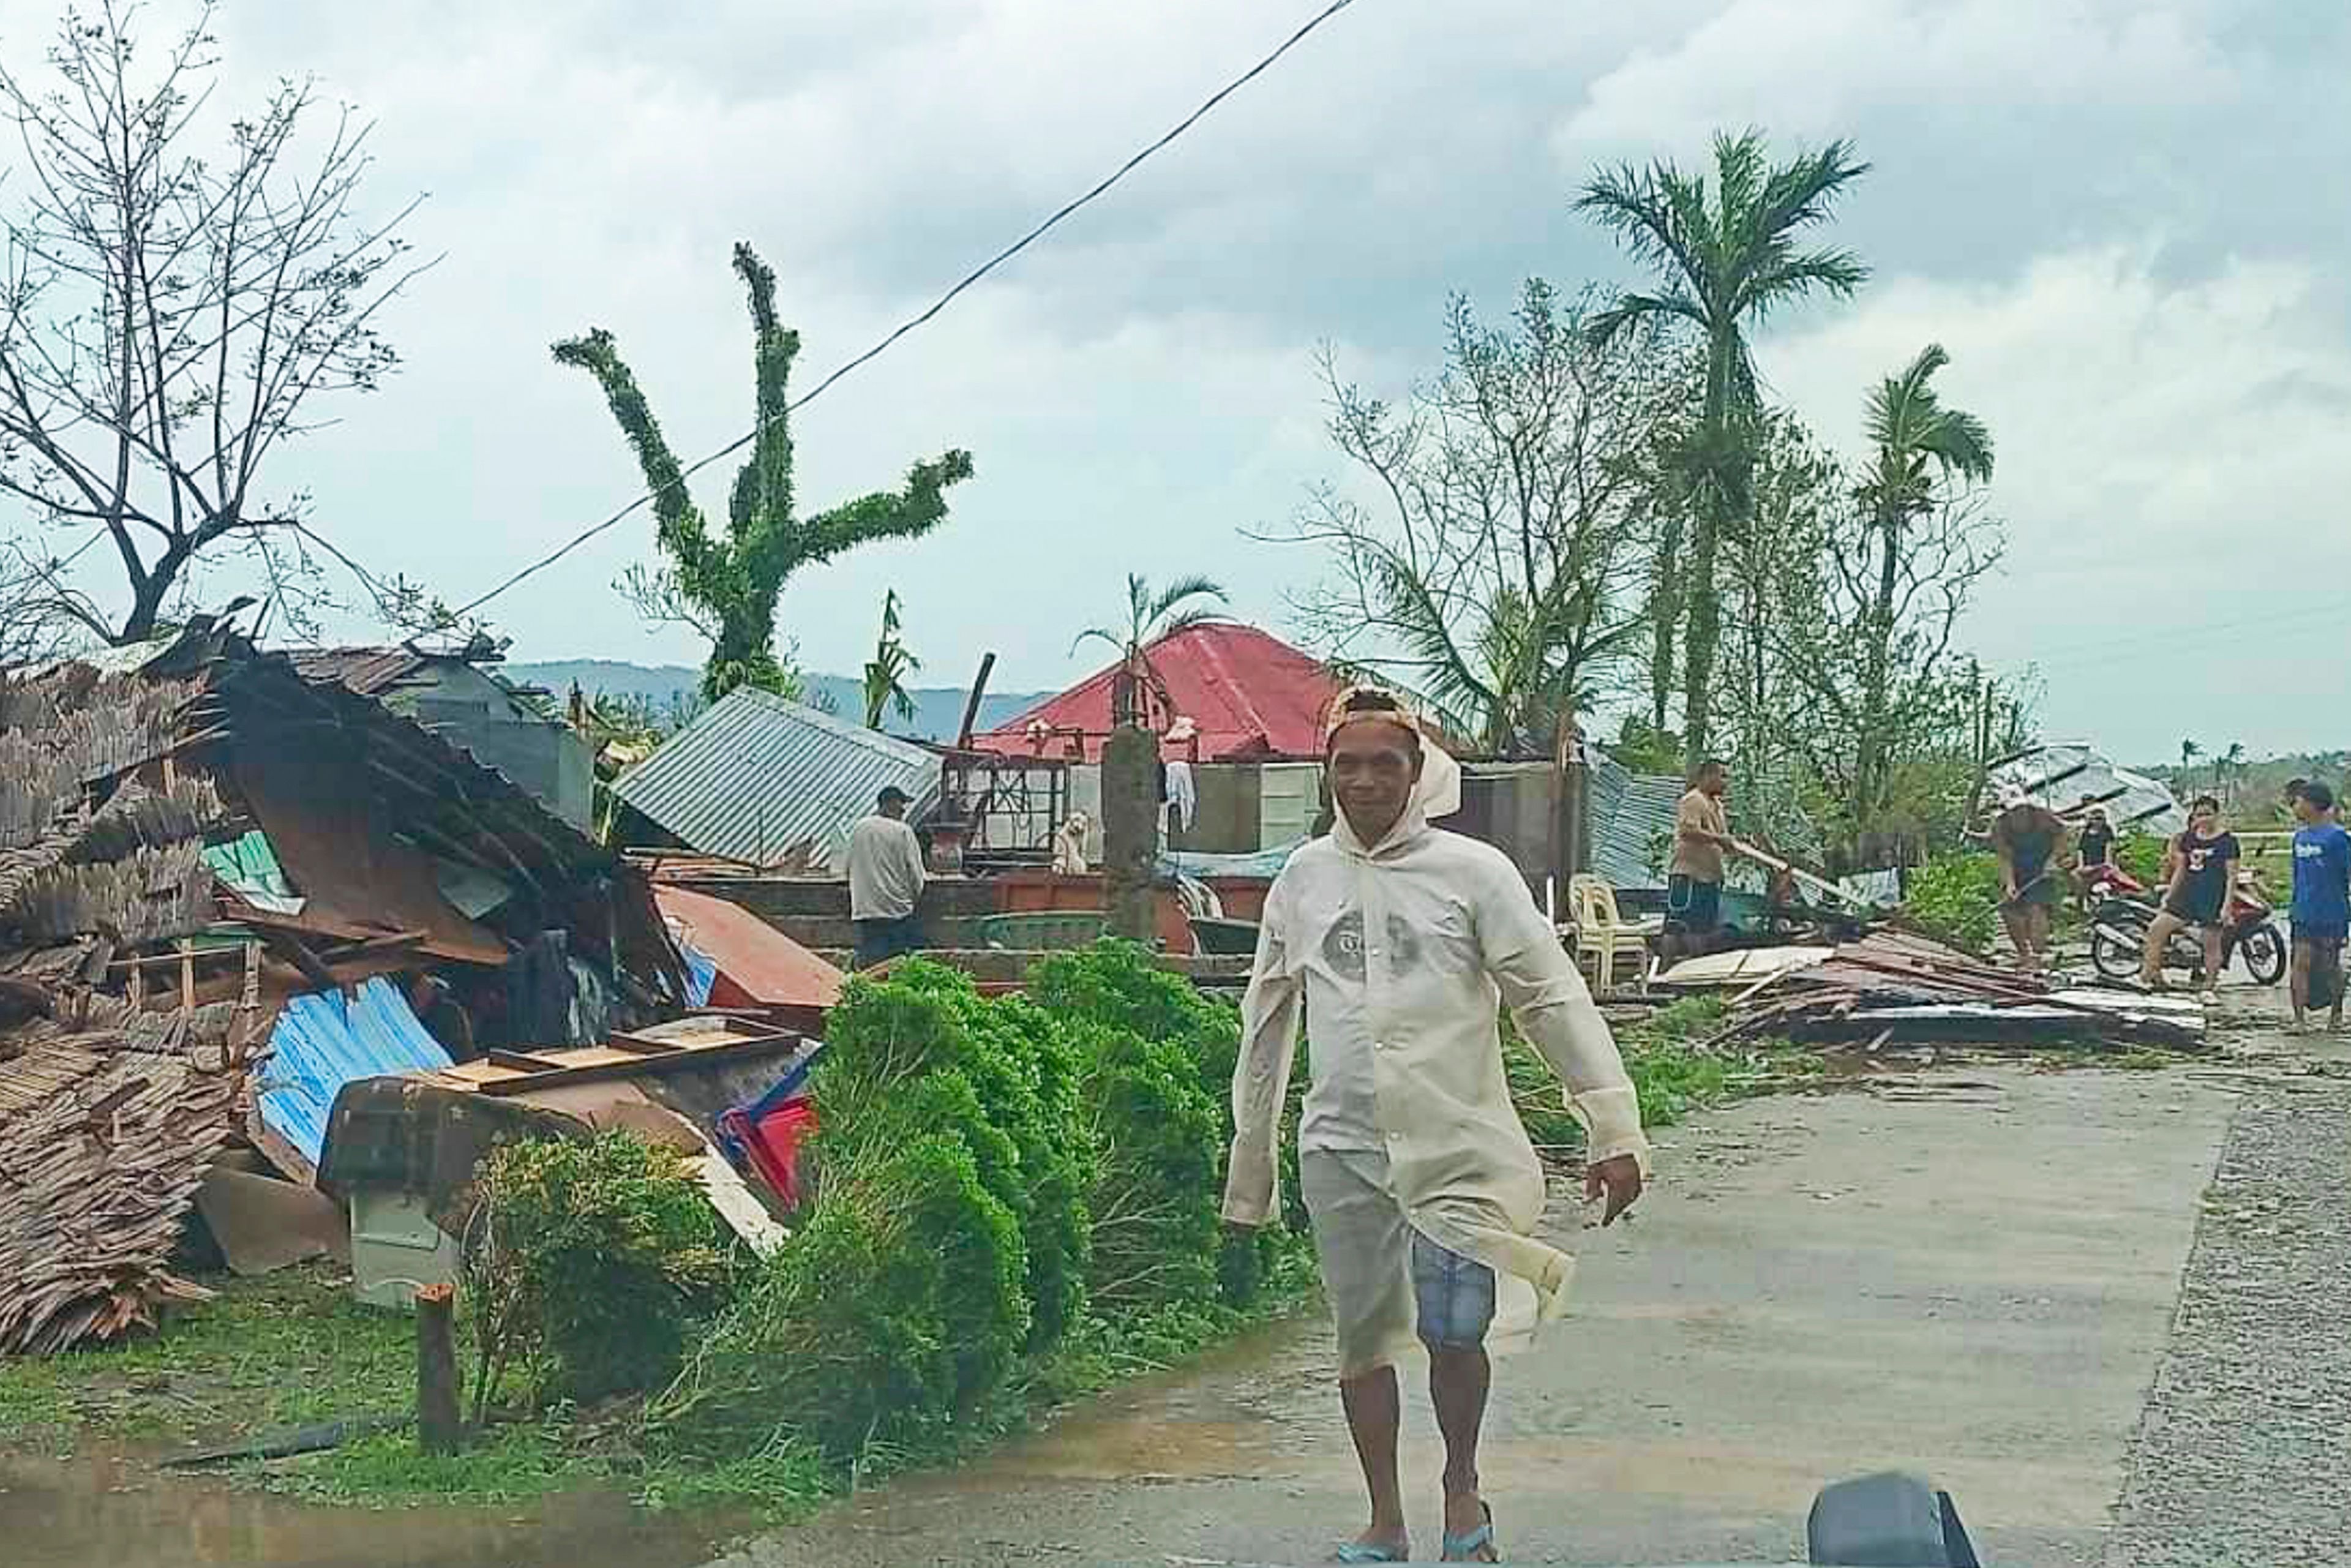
(2063, 775)
(1630, 813)
(765, 967)
(367, 671)
(755, 776)
(322, 1042)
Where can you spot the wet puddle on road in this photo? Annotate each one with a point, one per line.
(121, 1513)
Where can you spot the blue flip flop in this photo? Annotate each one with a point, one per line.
(1465, 1548)
(1369, 1551)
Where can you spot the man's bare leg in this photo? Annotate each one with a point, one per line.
(2018, 921)
(1374, 1411)
(2297, 985)
(1459, 1379)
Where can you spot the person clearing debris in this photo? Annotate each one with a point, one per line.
(1400, 941)
(1694, 875)
(2026, 837)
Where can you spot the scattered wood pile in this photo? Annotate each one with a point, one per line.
(1902, 987)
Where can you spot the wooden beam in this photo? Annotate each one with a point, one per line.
(521, 1062)
(641, 1045)
(971, 708)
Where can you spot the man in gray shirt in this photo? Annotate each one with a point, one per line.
(885, 880)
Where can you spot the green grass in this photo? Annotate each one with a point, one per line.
(279, 1352)
(288, 1350)
(294, 1349)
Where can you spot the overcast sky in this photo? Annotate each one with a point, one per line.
(2127, 222)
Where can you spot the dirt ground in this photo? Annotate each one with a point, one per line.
(1971, 1273)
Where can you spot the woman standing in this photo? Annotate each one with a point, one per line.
(2203, 861)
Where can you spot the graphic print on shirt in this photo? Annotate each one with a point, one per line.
(1342, 945)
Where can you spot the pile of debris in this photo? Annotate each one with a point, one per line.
(1897, 986)
(229, 888)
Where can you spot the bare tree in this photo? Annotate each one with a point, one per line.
(168, 319)
(1882, 687)
(1497, 569)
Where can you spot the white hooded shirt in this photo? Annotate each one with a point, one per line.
(1402, 955)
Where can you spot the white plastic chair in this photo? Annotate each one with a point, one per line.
(1602, 935)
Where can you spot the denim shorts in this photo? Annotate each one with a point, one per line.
(1387, 1283)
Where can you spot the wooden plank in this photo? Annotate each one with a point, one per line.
(521, 1062)
(624, 1064)
(638, 1045)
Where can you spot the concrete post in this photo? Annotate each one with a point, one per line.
(1130, 788)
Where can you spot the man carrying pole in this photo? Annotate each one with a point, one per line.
(1694, 875)
(1401, 942)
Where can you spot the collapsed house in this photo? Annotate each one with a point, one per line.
(209, 853)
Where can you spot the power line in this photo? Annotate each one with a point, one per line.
(941, 303)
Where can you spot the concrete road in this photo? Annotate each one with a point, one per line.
(1972, 1274)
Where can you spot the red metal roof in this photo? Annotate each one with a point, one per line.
(1249, 693)
(758, 966)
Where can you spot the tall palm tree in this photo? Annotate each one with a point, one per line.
(1918, 446)
(886, 672)
(2189, 752)
(2231, 765)
(1726, 256)
(1152, 616)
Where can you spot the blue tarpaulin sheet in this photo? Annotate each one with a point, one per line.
(323, 1042)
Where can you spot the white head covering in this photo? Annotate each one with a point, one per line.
(1439, 793)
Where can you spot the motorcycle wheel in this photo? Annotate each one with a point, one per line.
(2263, 951)
(2113, 957)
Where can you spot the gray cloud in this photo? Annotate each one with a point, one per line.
(2124, 221)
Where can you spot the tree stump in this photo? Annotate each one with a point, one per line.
(438, 1426)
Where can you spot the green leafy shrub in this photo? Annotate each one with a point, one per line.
(1956, 899)
(892, 1314)
(1158, 1183)
(587, 1263)
(1117, 985)
(925, 1020)
(2141, 854)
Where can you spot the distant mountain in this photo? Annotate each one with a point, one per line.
(938, 710)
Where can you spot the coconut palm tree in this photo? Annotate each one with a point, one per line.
(886, 672)
(1919, 446)
(1153, 615)
(1726, 256)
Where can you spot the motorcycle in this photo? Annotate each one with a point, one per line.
(2125, 908)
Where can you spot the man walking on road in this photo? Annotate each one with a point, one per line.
(2322, 905)
(1694, 875)
(885, 880)
(1399, 941)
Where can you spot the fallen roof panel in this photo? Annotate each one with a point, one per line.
(323, 1042)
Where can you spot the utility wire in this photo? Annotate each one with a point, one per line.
(944, 300)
